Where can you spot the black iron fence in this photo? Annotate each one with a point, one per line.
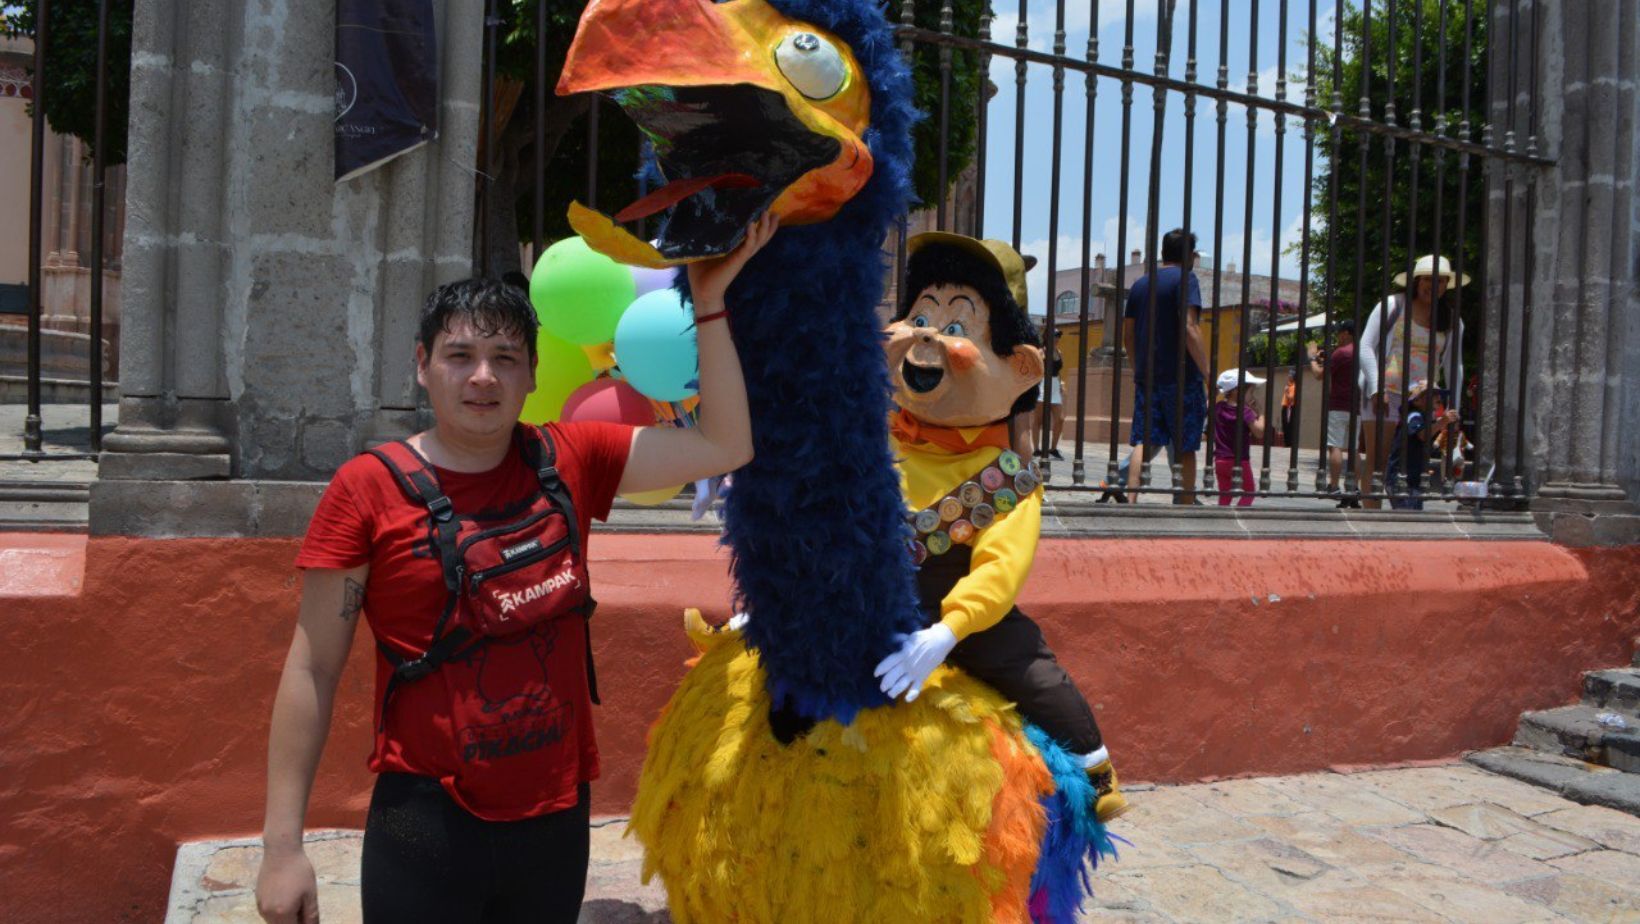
(1380, 49)
(34, 449)
(1369, 213)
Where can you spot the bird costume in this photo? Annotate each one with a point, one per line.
(777, 787)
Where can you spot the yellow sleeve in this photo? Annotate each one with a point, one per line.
(1001, 560)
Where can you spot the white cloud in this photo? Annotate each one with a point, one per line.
(1263, 249)
(1036, 280)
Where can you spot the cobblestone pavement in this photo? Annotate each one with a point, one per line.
(1447, 843)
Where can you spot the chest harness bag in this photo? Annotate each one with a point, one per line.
(503, 576)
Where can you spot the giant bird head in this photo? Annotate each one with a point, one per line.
(748, 110)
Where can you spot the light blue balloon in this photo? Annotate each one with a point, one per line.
(655, 347)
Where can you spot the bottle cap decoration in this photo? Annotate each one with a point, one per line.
(992, 478)
(974, 505)
(919, 552)
(927, 521)
(1025, 481)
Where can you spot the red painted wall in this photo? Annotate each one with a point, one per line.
(137, 707)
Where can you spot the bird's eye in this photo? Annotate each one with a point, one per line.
(813, 65)
(955, 329)
(919, 321)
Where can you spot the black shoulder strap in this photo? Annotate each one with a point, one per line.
(418, 481)
(541, 455)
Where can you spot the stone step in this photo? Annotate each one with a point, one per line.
(1576, 731)
(1579, 781)
(1616, 689)
(44, 506)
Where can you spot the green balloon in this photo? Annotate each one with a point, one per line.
(561, 367)
(579, 293)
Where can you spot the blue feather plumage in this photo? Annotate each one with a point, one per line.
(1073, 841)
(814, 522)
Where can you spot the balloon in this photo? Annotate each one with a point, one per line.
(652, 498)
(601, 355)
(611, 401)
(655, 345)
(561, 367)
(579, 293)
(653, 280)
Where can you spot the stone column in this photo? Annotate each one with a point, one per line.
(1584, 350)
(269, 312)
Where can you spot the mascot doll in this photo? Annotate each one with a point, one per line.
(781, 783)
(962, 355)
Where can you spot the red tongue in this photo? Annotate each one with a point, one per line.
(672, 193)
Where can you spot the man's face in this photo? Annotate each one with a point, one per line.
(942, 366)
(475, 383)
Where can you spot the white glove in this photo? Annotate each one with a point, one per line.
(905, 670)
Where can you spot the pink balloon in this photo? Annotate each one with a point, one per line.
(609, 400)
(651, 280)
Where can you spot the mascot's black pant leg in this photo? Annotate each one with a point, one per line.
(1016, 661)
(426, 859)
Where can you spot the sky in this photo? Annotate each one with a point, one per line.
(1270, 231)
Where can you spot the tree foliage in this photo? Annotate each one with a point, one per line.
(967, 94)
(69, 85)
(1343, 167)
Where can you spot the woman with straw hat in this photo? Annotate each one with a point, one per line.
(1385, 363)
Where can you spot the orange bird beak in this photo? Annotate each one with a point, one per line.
(747, 111)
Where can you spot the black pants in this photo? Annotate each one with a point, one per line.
(1014, 659)
(428, 859)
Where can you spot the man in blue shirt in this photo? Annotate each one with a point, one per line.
(1151, 338)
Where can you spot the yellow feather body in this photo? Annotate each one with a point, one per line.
(926, 811)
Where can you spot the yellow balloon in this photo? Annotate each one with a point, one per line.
(561, 367)
(601, 355)
(652, 498)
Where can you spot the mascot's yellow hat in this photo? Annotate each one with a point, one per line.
(1003, 257)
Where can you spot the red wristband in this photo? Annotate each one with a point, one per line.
(708, 318)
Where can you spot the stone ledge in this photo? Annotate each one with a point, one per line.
(282, 508)
(171, 509)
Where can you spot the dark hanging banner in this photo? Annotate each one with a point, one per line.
(386, 82)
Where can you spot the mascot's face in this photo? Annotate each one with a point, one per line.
(942, 365)
(747, 111)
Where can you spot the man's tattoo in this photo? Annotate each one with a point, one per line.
(352, 599)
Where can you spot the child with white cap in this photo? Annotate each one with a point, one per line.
(1236, 425)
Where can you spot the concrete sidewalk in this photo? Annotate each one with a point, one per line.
(1448, 843)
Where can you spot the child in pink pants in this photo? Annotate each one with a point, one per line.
(1234, 412)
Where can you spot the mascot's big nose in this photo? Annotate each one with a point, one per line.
(926, 351)
(630, 43)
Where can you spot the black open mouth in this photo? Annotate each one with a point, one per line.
(729, 150)
(921, 379)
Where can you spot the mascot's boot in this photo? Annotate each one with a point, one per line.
(1109, 803)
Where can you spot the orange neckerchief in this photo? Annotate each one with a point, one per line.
(909, 430)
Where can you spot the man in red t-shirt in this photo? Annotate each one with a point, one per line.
(480, 806)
